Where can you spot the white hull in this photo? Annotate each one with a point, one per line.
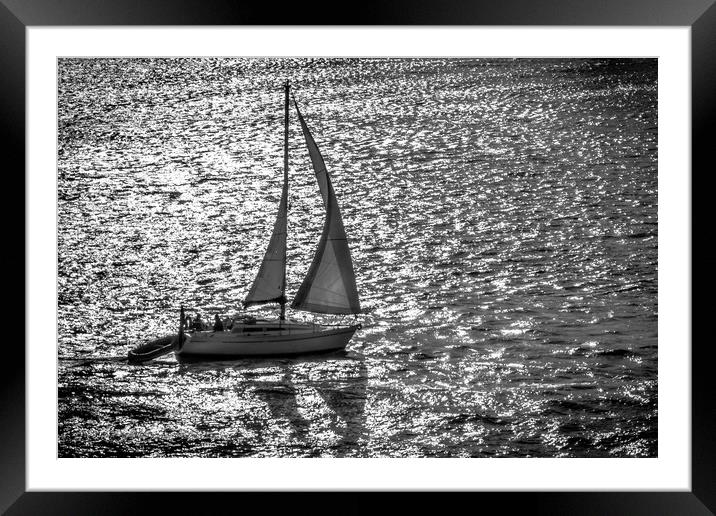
(292, 340)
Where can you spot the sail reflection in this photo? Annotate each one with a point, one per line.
(307, 407)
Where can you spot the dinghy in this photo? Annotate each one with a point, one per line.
(153, 349)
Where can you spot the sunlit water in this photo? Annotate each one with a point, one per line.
(502, 217)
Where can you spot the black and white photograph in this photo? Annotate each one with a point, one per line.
(357, 257)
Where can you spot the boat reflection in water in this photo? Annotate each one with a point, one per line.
(313, 406)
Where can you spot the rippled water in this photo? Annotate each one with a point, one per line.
(502, 216)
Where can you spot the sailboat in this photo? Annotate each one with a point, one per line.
(329, 286)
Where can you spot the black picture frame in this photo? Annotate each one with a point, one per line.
(699, 15)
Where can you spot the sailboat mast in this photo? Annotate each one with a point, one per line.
(285, 182)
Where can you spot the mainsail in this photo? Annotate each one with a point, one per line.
(270, 282)
(330, 285)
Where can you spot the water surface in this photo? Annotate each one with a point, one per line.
(502, 217)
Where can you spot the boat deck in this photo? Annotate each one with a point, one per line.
(267, 327)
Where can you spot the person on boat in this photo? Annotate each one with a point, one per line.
(218, 325)
(187, 322)
(198, 324)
